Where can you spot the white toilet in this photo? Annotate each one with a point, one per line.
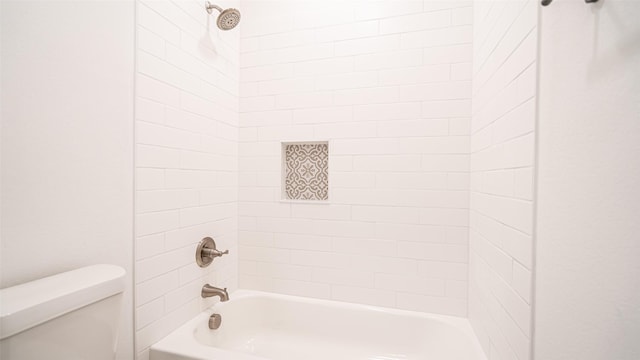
(68, 316)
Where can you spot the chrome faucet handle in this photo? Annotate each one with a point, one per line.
(207, 251)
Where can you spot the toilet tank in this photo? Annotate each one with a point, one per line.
(68, 316)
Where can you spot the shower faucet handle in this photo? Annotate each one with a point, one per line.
(207, 251)
(214, 253)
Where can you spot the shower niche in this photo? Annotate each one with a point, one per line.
(305, 171)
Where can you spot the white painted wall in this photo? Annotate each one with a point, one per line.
(67, 141)
(502, 163)
(186, 161)
(387, 83)
(587, 270)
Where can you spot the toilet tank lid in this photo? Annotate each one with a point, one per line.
(30, 304)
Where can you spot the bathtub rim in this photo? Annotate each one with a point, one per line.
(182, 344)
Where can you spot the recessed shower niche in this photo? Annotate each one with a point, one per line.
(305, 171)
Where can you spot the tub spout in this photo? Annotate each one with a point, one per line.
(209, 291)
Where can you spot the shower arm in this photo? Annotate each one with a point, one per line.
(209, 6)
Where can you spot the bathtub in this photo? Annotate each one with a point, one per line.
(259, 326)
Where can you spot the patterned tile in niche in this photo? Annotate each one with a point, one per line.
(307, 171)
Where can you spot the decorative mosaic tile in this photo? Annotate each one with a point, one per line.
(306, 171)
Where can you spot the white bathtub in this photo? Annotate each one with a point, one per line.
(258, 326)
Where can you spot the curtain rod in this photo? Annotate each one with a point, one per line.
(547, 2)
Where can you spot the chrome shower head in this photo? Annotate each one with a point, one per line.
(228, 18)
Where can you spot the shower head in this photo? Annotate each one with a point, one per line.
(228, 18)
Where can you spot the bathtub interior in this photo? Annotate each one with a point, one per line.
(290, 328)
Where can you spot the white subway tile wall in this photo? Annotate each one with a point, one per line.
(187, 104)
(388, 84)
(502, 161)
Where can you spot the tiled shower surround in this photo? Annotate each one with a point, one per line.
(186, 162)
(387, 84)
(502, 158)
(424, 199)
